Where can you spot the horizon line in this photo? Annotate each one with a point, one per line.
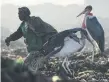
(2, 4)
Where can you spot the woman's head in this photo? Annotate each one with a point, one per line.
(23, 13)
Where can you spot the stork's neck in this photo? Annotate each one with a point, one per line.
(82, 41)
(87, 14)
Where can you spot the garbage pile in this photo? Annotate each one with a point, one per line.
(13, 53)
(81, 67)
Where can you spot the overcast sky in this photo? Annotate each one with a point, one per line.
(35, 2)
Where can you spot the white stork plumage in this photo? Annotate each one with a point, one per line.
(69, 43)
(65, 43)
(71, 46)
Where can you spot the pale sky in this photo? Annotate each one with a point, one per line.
(35, 2)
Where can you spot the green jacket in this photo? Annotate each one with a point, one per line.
(36, 32)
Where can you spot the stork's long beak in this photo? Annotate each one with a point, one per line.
(81, 13)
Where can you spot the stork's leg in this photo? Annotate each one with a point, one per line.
(67, 66)
(93, 56)
(97, 49)
(63, 64)
(73, 74)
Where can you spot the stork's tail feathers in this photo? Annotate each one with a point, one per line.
(101, 45)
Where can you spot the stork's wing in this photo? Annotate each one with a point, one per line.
(55, 51)
(96, 31)
(94, 27)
